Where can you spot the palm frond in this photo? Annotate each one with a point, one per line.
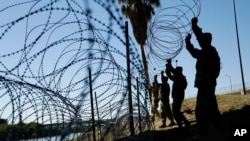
(155, 3)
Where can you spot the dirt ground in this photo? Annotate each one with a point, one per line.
(232, 120)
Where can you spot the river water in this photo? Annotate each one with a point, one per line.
(55, 138)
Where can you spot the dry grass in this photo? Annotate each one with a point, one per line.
(226, 103)
(229, 102)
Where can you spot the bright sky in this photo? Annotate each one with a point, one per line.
(217, 17)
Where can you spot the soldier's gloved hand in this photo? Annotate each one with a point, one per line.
(169, 61)
(194, 21)
(155, 76)
(188, 37)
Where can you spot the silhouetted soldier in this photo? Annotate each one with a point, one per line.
(207, 70)
(164, 97)
(178, 92)
(155, 88)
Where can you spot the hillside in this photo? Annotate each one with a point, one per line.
(235, 110)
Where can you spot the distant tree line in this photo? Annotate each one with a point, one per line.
(28, 130)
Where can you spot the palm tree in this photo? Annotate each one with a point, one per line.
(139, 12)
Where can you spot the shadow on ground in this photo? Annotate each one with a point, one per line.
(238, 119)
